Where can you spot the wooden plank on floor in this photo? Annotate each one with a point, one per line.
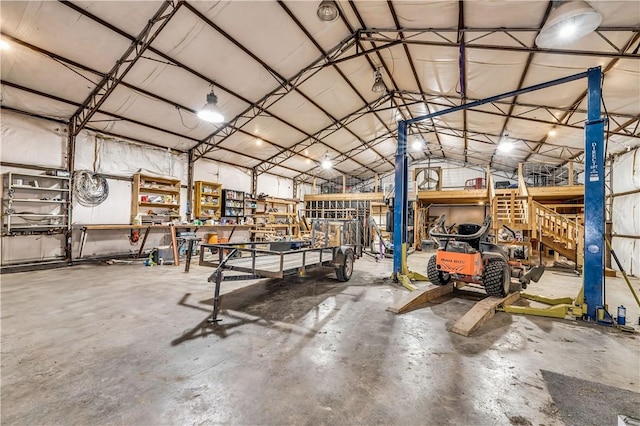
(482, 312)
(608, 272)
(418, 298)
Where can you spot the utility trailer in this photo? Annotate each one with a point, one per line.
(331, 243)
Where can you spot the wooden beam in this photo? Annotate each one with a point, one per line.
(482, 312)
(417, 298)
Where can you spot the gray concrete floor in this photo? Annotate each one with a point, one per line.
(129, 344)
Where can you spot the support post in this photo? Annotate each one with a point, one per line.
(400, 212)
(254, 182)
(190, 201)
(71, 154)
(594, 196)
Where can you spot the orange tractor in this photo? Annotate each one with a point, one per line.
(468, 255)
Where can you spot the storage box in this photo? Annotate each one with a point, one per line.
(163, 255)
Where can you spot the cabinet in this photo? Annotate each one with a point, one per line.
(233, 202)
(207, 200)
(155, 200)
(35, 203)
(278, 215)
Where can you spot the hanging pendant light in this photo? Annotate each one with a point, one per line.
(326, 162)
(568, 23)
(327, 11)
(378, 84)
(210, 111)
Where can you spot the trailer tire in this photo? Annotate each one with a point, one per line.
(345, 270)
(497, 278)
(436, 277)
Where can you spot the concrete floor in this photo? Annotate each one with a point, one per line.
(128, 344)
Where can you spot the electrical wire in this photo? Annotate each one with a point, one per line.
(180, 114)
(90, 189)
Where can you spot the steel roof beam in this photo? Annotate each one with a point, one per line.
(257, 110)
(123, 65)
(567, 115)
(380, 59)
(389, 42)
(523, 76)
(339, 71)
(129, 120)
(282, 80)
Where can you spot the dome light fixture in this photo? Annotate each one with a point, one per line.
(326, 163)
(328, 11)
(378, 84)
(567, 23)
(417, 145)
(210, 111)
(4, 45)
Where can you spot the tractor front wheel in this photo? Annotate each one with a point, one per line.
(435, 276)
(497, 278)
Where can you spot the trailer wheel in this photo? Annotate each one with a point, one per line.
(497, 278)
(436, 277)
(344, 271)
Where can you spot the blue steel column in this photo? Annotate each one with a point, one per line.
(400, 212)
(593, 196)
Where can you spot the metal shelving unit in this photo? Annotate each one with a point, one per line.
(35, 203)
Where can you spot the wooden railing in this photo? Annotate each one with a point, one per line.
(560, 228)
(510, 209)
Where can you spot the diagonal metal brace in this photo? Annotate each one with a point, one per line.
(110, 80)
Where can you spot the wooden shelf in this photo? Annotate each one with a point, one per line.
(204, 194)
(144, 184)
(169, 206)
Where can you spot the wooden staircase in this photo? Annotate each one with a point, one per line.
(563, 235)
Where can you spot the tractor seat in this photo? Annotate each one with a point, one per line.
(470, 229)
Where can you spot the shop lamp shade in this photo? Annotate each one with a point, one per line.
(568, 23)
(327, 11)
(326, 162)
(378, 84)
(210, 111)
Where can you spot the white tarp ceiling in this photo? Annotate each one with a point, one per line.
(294, 89)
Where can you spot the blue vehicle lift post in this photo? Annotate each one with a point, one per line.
(592, 293)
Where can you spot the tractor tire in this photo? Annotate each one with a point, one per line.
(344, 271)
(436, 277)
(497, 278)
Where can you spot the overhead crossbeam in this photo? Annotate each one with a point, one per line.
(110, 81)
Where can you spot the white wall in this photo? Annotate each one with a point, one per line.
(27, 140)
(275, 186)
(626, 211)
(229, 176)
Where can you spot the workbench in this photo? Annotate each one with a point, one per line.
(224, 231)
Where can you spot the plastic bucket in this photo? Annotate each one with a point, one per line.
(213, 239)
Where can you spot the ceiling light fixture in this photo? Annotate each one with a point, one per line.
(258, 141)
(210, 111)
(506, 144)
(378, 84)
(326, 162)
(417, 145)
(4, 45)
(552, 133)
(327, 11)
(567, 23)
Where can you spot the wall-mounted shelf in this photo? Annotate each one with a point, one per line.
(207, 200)
(155, 199)
(35, 203)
